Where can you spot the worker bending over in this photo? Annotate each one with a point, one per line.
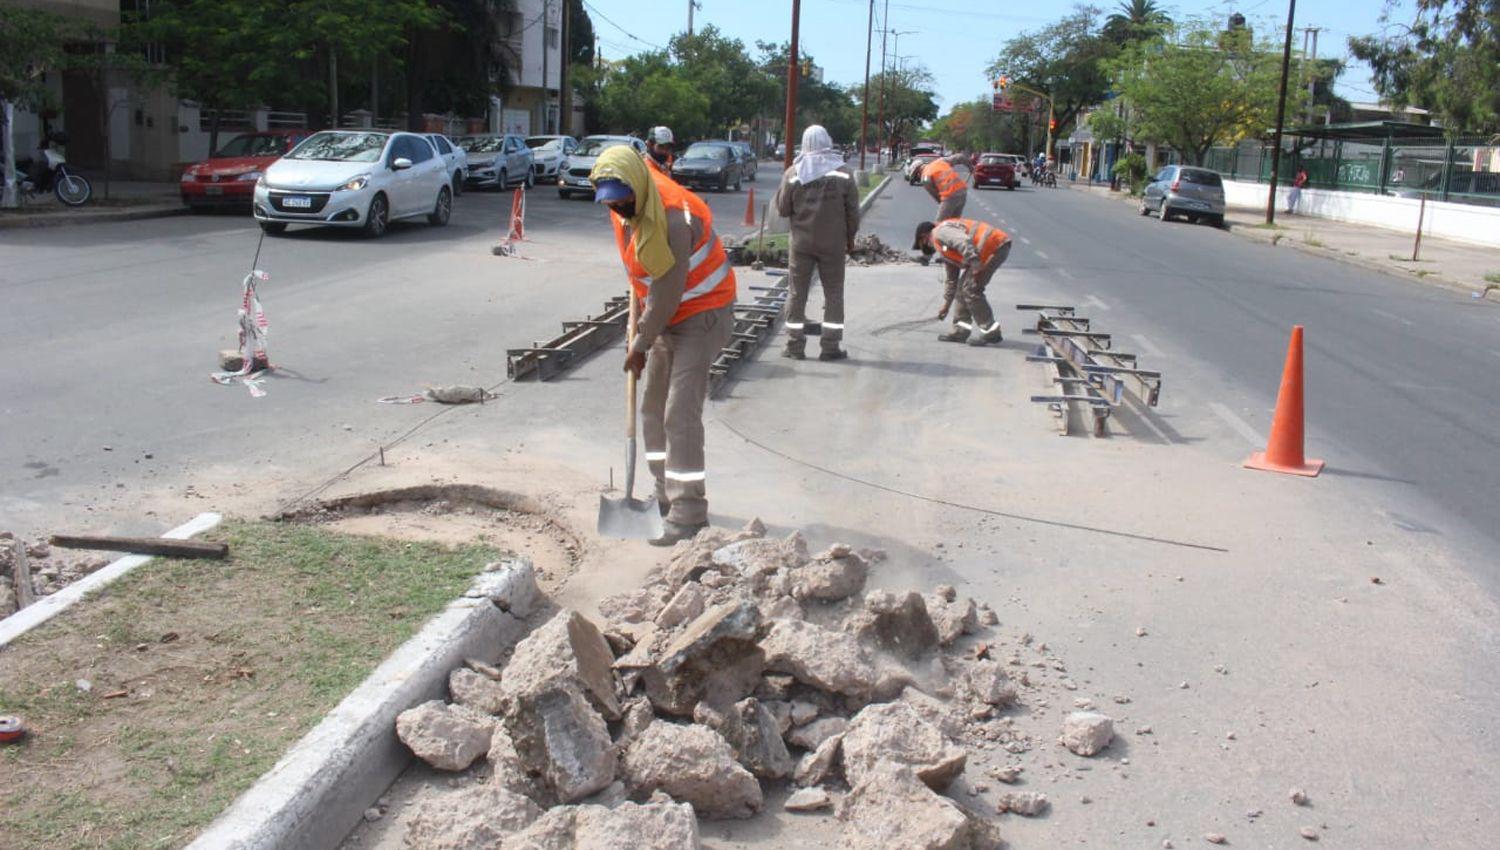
(972, 251)
(818, 197)
(681, 275)
(944, 184)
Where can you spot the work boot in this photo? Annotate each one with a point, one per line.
(955, 335)
(796, 349)
(664, 506)
(833, 354)
(675, 532)
(989, 337)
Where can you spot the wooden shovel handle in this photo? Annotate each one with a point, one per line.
(629, 375)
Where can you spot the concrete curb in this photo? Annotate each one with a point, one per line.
(869, 199)
(313, 797)
(73, 218)
(48, 607)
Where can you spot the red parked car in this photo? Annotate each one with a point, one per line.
(995, 169)
(228, 176)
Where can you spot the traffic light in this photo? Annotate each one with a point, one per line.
(1003, 83)
(1052, 124)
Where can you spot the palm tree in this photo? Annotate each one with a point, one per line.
(1136, 20)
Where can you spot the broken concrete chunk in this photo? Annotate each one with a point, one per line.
(891, 808)
(988, 683)
(634, 606)
(567, 648)
(760, 556)
(781, 710)
(654, 825)
(506, 768)
(693, 764)
(817, 766)
(803, 712)
(1087, 732)
(808, 737)
(899, 624)
(752, 530)
(829, 577)
(894, 732)
(558, 733)
(934, 711)
(753, 735)
(827, 660)
(686, 605)
(1024, 803)
(638, 715)
(781, 608)
(952, 619)
(808, 800)
(472, 817)
(476, 691)
(716, 653)
(445, 736)
(945, 592)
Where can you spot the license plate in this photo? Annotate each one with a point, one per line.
(297, 201)
(213, 190)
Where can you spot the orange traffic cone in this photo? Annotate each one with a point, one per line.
(517, 217)
(1284, 451)
(750, 208)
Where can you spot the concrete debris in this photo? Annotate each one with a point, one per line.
(812, 735)
(818, 765)
(715, 654)
(559, 735)
(899, 624)
(1298, 797)
(1307, 832)
(753, 734)
(638, 715)
(656, 825)
(477, 691)
(1024, 803)
(691, 558)
(1010, 775)
(833, 575)
(825, 659)
(760, 556)
(952, 618)
(684, 607)
(445, 736)
(750, 531)
(693, 764)
(894, 733)
(568, 648)
(634, 606)
(1086, 732)
(473, 817)
(989, 684)
(1215, 838)
(890, 807)
(803, 712)
(808, 800)
(871, 250)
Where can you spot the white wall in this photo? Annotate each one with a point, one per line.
(1462, 222)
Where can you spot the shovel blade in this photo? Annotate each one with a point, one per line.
(630, 519)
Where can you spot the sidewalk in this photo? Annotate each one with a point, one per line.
(128, 199)
(1456, 265)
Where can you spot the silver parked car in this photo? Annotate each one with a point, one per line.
(456, 158)
(498, 161)
(354, 178)
(575, 170)
(1196, 193)
(549, 153)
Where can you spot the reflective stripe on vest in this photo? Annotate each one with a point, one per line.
(944, 176)
(986, 239)
(710, 279)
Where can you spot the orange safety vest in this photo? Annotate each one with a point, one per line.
(710, 278)
(985, 238)
(945, 177)
(659, 168)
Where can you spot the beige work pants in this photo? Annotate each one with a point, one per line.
(672, 410)
(831, 275)
(953, 207)
(974, 312)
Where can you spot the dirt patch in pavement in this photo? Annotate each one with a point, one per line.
(156, 702)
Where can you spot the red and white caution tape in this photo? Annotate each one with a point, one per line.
(254, 328)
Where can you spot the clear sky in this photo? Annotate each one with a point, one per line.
(955, 39)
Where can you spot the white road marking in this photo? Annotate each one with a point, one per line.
(1392, 316)
(1147, 345)
(1145, 416)
(1239, 425)
(1043, 255)
(1096, 302)
(1025, 241)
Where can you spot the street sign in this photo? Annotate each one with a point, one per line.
(1006, 103)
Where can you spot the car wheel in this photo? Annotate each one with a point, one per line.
(378, 217)
(530, 178)
(458, 184)
(737, 184)
(1145, 210)
(1165, 212)
(503, 181)
(564, 194)
(723, 182)
(273, 228)
(443, 210)
(1216, 220)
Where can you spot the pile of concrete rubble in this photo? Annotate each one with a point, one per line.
(49, 572)
(744, 664)
(870, 250)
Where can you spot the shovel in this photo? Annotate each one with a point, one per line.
(630, 518)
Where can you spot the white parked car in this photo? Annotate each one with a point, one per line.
(456, 158)
(355, 178)
(498, 161)
(575, 173)
(548, 153)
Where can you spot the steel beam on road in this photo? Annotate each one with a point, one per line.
(1094, 378)
(754, 323)
(546, 360)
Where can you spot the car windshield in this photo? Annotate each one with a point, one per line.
(1202, 178)
(543, 143)
(253, 146)
(341, 147)
(992, 160)
(594, 147)
(713, 152)
(481, 144)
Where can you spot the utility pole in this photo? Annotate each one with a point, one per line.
(895, 52)
(333, 88)
(885, 21)
(1286, 61)
(564, 54)
(692, 4)
(1312, 72)
(793, 71)
(864, 118)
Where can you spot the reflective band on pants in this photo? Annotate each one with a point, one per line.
(680, 475)
(652, 457)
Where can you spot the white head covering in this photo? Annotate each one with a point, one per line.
(661, 135)
(817, 157)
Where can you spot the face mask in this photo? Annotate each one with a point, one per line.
(624, 211)
(660, 155)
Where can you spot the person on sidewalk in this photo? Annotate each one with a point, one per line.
(943, 183)
(681, 275)
(972, 252)
(1295, 195)
(818, 197)
(659, 150)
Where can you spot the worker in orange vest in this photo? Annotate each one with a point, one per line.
(944, 184)
(972, 251)
(659, 150)
(682, 277)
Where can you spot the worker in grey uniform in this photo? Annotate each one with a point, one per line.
(818, 197)
(972, 251)
(946, 186)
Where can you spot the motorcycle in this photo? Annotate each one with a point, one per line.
(50, 173)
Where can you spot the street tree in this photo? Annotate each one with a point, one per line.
(1447, 60)
(1137, 20)
(976, 126)
(646, 89)
(907, 100)
(33, 43)
(723, 70)
(1066, 59)
(818, 101)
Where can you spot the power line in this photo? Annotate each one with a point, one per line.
(605, 18)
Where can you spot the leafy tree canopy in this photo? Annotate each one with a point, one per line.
(1447, 60)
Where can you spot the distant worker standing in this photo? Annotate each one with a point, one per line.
(681, 274)
(818, 197)
(945, 185)
(659, 150)
(972, 252)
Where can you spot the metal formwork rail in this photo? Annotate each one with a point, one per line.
(546, 360)
(1090, 373)
(754, 322)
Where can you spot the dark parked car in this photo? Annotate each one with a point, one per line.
(995, 169)
(748, 159)
(1196, 193)
(713, 165)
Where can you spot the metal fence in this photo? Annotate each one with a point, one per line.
(1463, 170)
